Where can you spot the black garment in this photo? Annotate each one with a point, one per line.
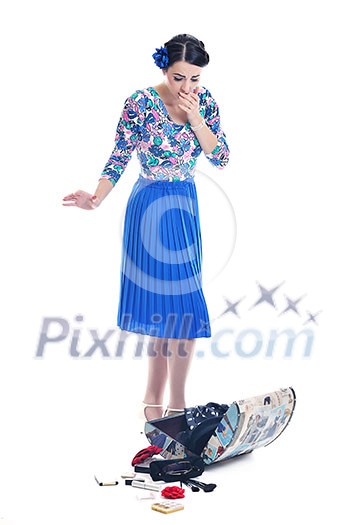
(201, 420)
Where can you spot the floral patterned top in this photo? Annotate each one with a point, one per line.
(166, 150)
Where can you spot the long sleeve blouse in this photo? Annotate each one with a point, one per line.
(166, 150)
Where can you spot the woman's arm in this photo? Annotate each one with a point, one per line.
(126, 138)
(210, 135)
(205, 137)
(103, 188)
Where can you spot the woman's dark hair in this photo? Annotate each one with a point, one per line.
(186, 47)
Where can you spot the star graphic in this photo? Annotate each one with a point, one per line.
(312, 317)
(292, 305)
(231, 307)
(266, 295)
(205, 325)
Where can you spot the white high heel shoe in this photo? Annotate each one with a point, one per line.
(142, 413)
(173, 411)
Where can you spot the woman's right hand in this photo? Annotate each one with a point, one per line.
(82, 199)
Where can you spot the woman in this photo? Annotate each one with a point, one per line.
(160, 283)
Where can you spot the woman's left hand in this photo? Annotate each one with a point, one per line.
(190, 104)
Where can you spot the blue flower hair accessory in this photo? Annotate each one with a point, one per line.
(161, 57)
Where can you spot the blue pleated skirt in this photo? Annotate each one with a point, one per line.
(160, 279)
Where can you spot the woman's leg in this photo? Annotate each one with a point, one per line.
(157, 376)
(179, 359)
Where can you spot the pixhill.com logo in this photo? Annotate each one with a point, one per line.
(280, 326)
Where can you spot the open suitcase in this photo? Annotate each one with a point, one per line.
(221, 432)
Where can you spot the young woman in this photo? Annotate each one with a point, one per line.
(161, 294)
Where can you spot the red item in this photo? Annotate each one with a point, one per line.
(173, 492)
(144, 454)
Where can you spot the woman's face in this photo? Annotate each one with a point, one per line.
(182, 77)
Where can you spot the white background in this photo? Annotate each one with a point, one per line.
(279, 72)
